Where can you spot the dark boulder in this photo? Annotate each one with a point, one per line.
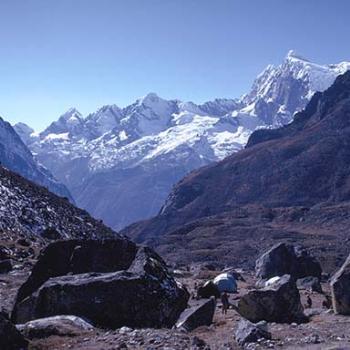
(279, 302)
(140, 293)
(5, 253)
(199, 344)
(284, 259)
(78, 256)
(340, 289)
(5, 266)
(248, 332)
(310, 283)
(51, 233)
(24, 242)
(66, 325)
(10, 337)
(207, 290)
(199, 315)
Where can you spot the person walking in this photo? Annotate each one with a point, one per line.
(225, 303)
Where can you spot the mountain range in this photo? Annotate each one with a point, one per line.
(289, 184)
(120, 164)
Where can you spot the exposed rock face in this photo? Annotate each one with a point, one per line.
(32, 210)
(10, 337)
(66, 325)
(198, 315)
(340, 288)
(285, 259)
(310, 283)
(248, 332)
(279, 302)
(138, 293)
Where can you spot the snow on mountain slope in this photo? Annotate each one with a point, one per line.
(120, 163)
(279, 92)
(16, 156)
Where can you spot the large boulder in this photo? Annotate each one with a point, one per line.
(140, 294)
(340, 289)
(207, 290)
(279, 302)
(5, 266)
(248, 332)
(66, 325)
(78, 256)
(199, 315)
(284, 259)
(10, 337)
(5, 253)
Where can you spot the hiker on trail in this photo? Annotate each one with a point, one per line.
(309, 302)
(327, 303)
(225, 303)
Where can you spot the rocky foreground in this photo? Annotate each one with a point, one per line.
(301, 314)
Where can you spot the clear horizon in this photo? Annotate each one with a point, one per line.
(89, 53)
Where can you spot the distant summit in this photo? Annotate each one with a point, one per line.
(289, 184)
(121, 163)
(15, 156)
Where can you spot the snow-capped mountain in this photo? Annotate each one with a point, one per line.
(120, 163)
(278, 92)
(16, 156)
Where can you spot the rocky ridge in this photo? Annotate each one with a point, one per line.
(31, 211)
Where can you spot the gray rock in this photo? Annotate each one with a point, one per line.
(284, 259)
(78, 256)
(141, 295)
(10, 337)
(66, 325)
(5, 266)
(340, 289)
(200, 315)
(279, 302)
(5, 253)
(248, 332)
(310, 283)
(198, 343)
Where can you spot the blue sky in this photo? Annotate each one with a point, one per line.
(87, 53)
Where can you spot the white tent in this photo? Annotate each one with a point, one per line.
(225, 282)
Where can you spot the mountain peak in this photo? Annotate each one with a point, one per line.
(71, 112)
(107, 108)
(24, 127)
(150, 99)
(71, 116)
